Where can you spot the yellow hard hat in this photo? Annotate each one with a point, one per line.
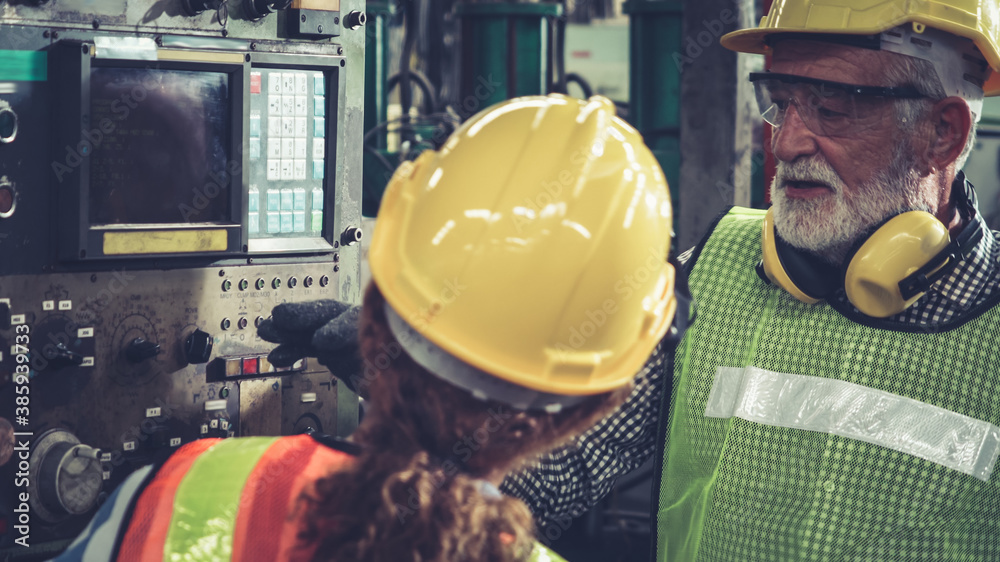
(978, 20)
(531, 247)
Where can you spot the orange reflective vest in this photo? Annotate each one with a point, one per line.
(214, 499)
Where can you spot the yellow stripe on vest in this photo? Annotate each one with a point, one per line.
(208, 498)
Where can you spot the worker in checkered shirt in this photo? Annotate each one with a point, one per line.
(837, 398)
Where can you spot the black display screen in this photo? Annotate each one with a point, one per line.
(160, 141)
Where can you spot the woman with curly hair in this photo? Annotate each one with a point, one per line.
(519, 281)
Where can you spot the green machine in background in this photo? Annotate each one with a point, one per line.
(504, 50)
(376, 104)
(655, 28)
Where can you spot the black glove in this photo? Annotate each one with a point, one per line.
(324, 329)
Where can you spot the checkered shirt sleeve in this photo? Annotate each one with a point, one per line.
(573, 478)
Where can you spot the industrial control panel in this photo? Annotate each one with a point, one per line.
(170, 170)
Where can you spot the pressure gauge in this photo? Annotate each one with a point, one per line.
(65, 477)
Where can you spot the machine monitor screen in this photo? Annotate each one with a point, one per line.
(160, 143)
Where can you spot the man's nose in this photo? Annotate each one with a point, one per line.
(793, 138)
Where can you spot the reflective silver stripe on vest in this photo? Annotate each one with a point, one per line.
(857, 412)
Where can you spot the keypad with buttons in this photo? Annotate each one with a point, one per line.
(287, 145)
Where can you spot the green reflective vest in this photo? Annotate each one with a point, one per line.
(741, 490)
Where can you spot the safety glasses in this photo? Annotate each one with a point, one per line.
(831, 109)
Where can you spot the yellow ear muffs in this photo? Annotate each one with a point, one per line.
(901, 247)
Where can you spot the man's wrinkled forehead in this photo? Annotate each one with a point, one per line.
(828, 61)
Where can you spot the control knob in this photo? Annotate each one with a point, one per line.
(139, 350)
(198, 347)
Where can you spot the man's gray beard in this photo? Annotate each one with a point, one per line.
(829, 226)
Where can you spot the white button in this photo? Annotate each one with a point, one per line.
(287, 169)
(319, 148)
(273, 170)
(288, 126)
(300, 148)
(288, 105)
(300, 83)
(274, 147)
(288, 148)
(300, 169)
(273, 105)
(300, 106)
(274, 83)
(288, 83)
(274, 126)
(300, 127)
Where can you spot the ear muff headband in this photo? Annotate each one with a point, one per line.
(889, 271)
(802, 275)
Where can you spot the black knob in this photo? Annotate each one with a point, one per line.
(198, 347)
(355, 20)
(351, 235)
(59, 356)
(5, 316)
(138, 350)
(257, 9)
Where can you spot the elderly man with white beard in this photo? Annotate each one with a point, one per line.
(838, 397)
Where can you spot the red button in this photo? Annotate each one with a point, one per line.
(250, 366)
(254, 82)
(6, 200)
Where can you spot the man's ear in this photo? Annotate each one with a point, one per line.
(952, 123)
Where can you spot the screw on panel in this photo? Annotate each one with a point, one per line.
(340, 50)
(303, 18)
(96, 24)
(319, 29)
(253, 46)
(222, 273)
(46, 34)
(93, 278)
(336, 257)
(336, 268)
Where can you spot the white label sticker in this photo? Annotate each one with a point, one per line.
(175, 441)
(48, 305)
(213, 405)
(129, 445)
(17, 319)
(152, 412)
(85, 333)
(87, 362)
(66, 305)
